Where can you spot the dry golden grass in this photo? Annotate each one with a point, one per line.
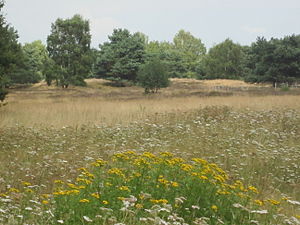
(100, 103)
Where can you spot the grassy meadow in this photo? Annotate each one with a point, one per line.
(198, 152)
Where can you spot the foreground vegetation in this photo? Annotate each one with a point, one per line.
(141, 166)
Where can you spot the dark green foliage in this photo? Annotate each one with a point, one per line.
(223, 61)
(10, 52)
(276, 61)
(69, 47)
(153, 75)
(121, 56)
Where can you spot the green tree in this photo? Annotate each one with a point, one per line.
(10, 52)
(276, 60)
(223, 61)
(190, 50)
(36, 54)
(121, 57)
(69, 46)
(153, 75)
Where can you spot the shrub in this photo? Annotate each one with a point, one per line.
(153, 75)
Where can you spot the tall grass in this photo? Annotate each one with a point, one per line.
(69, 111)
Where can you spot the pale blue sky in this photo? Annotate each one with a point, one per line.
(211, 20)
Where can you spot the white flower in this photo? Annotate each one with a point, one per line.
(87, 219)
(60, 221)
(195, 207)
(28, 208)
(293, 202)
(260, 211)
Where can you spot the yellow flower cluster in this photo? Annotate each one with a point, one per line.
(159, 201)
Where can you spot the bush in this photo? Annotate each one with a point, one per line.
(153, 75)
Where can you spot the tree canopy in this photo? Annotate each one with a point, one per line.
(276, 60)
(10, 53)
(121, 56)
(69, 47)
(153, 75)
(223, 61)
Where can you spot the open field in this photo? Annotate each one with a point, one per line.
(100, 103)
(251, 132)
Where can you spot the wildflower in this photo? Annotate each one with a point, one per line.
(108, 184)
(26, 183)
(84, 200)
(174, 184)
(14, 190)
(293, 202)
(260, 211)
(214, 207)
(105, 202)
(124, 188)
(186, 167)
(95, 195)
(58, 182)
(251, 188)
(157, 201)
(202, 177)
(195, 207)
(28, 208)
(273, 202)
(60, 221)
(45, 195)
(29, 190)
(259, 202)
(198, 160)
(45, 202)
(139, 206)
(87, 219)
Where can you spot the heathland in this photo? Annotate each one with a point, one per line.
(197, 152)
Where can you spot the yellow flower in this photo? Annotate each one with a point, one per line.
(26, 183)
(84, 200)
(124, 188)
(45, 202)
(198, 160)
(253, 189)
(15, 190)
(45, 195)
(138, 206)
(259, 202)
(273, 202)
(29, 190)
(174, 184)
(58, 182)
(105, 202)
(157, 201)
(202, 177)
(214, 207)
(72, 185)
(116, 171)
(186, 167)
(108, 184)
(95, 195)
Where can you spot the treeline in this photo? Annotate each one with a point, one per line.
(69, 59)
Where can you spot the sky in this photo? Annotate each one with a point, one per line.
(210, 20)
